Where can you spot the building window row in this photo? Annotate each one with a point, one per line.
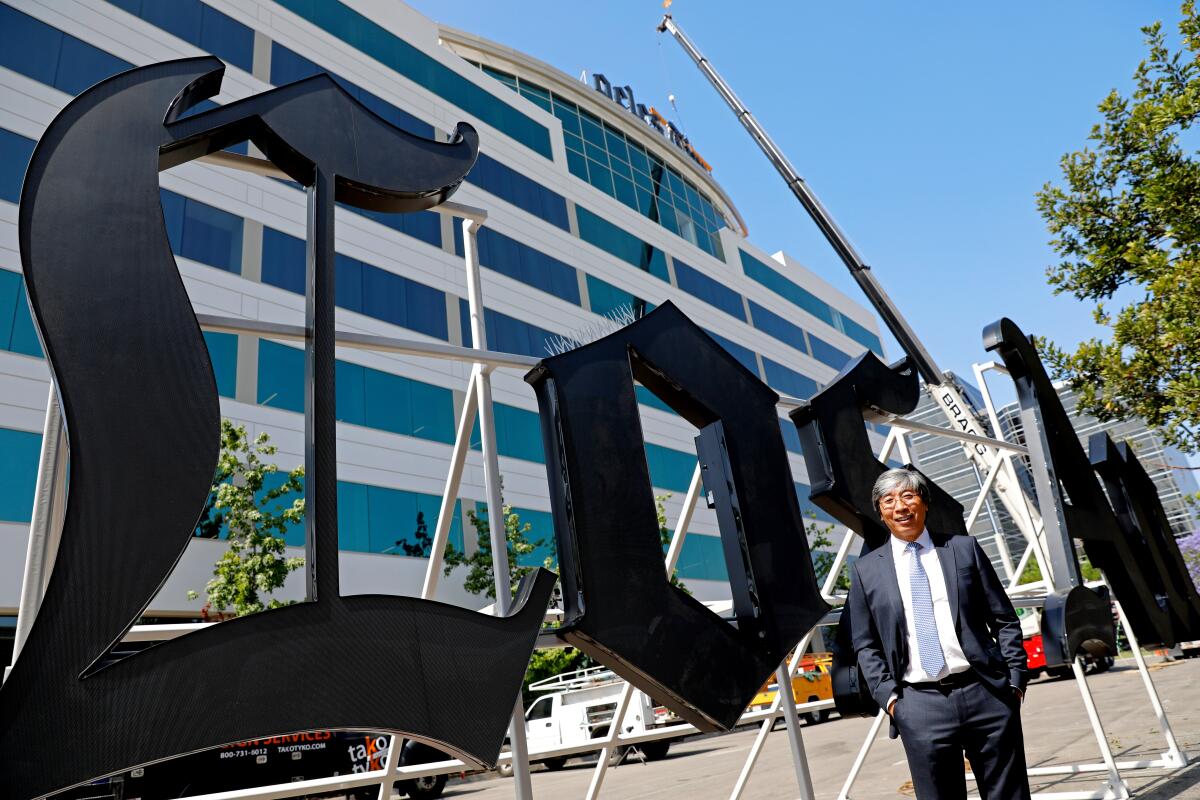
(618, 242)
(46, 54)
(17, 333)
(375, 41)
(198, 24)
(523, 263)
(711, 291)
(800, 297)
(359, 286)
(618, 166)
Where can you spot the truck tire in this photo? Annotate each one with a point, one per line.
(505, 770)
(655, 751)
(816, 717)
(555, 764)
(427, 788)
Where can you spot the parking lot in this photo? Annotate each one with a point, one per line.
(1056, 732)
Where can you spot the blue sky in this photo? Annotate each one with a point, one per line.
(925, 128)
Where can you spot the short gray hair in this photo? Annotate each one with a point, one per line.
(899, 478)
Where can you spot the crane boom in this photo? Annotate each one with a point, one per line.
(859, 268)
(943, 392)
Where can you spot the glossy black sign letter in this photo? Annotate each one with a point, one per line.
(619, 605)
(141, 408)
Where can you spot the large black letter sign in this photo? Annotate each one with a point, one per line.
(140, 404)
(620, 607)
(1059, 463)
(1140, 514)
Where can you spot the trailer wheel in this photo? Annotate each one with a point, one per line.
(426, 788)
(655, 751)
(504, 770)
(555, 764)
(816, 717)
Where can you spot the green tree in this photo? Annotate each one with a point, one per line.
(665, 535)
(255, 564)
(1127, 218)
(481, 576)
(818, 537)
(1033, 572)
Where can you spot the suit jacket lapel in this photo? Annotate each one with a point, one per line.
(896, 600)
(950, 572)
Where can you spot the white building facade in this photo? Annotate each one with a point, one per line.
(590, 208)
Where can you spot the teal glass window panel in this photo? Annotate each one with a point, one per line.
(713, 292)
(210, 236)
(29, 46)
(862, 335)
(428, 508)
(521, 262)
(288, 66)
(375, 41)
(222, 351)
(624, 191)
(392, 519)
(606, 298)
(541, 532)
(282, 260)
(595, 153)
(354, 532)
(670, 469)
(384, 297)
(17, 332)
(600, 177)
(776, 326)
(280, 376)
(569, 115)
(788, 381)
(791, 437)
(536, 95)
(172, 208)
(798, 296)
(742, 353)
(525, 193)
(519, 433)
(577, 164)
(827, 354)
(80, 65)
(388, 402)
(432, 412)
(616, 143)
(649, 398)
(593, 133)
(350, 399)
(598, 231)
(15, 151)
(348, 283)
(19, 453)
(11, 285)
(573, 142)
(702, 559)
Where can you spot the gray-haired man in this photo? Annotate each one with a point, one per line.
(940, 647)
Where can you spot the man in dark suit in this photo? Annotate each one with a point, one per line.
(939, 645)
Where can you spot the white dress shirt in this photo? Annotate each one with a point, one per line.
(943, 615)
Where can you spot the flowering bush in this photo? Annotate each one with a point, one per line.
(1190, 547)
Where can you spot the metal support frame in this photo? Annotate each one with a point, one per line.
(49, 507)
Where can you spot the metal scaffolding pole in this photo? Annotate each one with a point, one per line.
(491, 480)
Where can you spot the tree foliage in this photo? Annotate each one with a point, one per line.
(256, 563)
(481, 576)
(1127, 217)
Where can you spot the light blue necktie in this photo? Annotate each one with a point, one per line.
(929, 646)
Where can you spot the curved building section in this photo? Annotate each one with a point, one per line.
(591, 209)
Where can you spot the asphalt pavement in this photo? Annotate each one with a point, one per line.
(1056, 732)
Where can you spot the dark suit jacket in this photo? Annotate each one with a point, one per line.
(984, 619)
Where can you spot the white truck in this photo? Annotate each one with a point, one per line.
(578, 707)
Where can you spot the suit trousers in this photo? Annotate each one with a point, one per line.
(938, 725)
